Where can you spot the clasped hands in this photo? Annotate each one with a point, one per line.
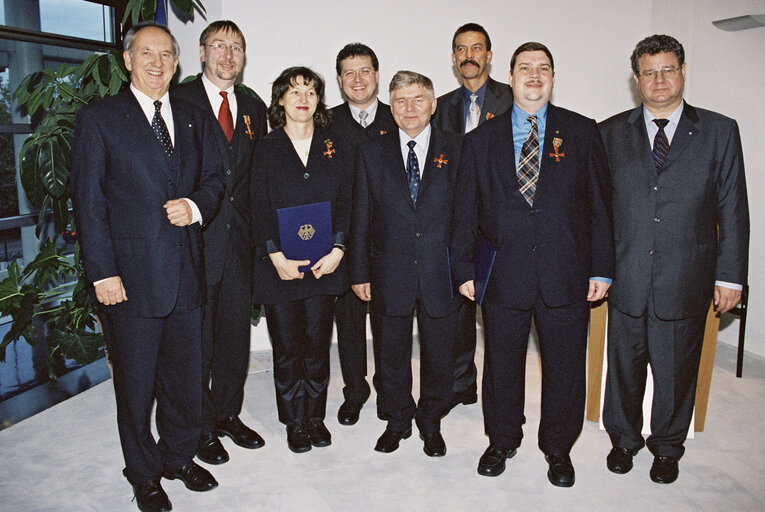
(288, 269)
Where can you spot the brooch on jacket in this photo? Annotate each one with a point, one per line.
(383, 132)
(440, 160)
(329, 151)
(557, 141)
(489, 115)
(249, 128)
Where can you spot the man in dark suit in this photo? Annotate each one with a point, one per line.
(460, 111)
(361, 118)
(241, 117)
(681, 225)
(145, 174)
(402, 216)
(548, 215)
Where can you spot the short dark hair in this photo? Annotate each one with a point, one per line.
(226, 26)
(404, 78)
(531, 46)
(355, 50)
(129, 39)
(288, 78)
(657, 43)
(471, 27)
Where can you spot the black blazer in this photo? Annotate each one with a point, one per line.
(556, 246)
(279, 182)
(229, 233)
(449, 116)
(395, 246)
(120, 179)
(666, 224)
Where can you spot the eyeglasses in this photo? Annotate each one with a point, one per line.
(666, 72)
(363, 72)
(222, 47)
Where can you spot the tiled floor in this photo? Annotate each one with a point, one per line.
(68, 458)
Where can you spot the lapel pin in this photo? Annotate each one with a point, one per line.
(557, 141)
(329, 151)
(440, 160)
(249, 129)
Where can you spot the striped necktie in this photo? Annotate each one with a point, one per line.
(528, 165)
(660, 144)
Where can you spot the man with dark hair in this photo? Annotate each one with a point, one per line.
(145, 176)
(360, 119)
(534, 183)
(240, 119)
(402, 216)
(681, 223)
(460, 111)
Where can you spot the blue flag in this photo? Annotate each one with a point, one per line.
(161, 16)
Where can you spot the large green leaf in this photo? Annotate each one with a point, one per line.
(30, 176)
(53, 164)
(81, 346)
(48, 265)
(22, 310)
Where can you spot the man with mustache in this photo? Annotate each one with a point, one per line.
(459, 111)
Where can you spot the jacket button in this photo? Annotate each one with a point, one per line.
(656, 219)
(415, 262)
(228, 226)
(533, 248)
(418, 235)
(228, 171)
(178, 244)
(231, 199)
(651, 252)
(306, 176)
(655, 187)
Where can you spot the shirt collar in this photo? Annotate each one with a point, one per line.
(371, 110)
(674, 117)
(481, 93)
(214, 90)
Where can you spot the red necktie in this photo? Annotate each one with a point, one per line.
(225, 118)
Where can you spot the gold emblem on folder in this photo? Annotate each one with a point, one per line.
(306, 232)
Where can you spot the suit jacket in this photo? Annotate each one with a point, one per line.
(229, 234)
(394, 246)
(281, 181)
(449, 116)
(666, 225)
(120, 179)
(554, 247)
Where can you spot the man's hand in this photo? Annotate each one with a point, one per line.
(328, 263)
(363, 291)
(110, 291)
(468, 290)
(287, 269)
(597, 290)
(726, 298)
(178, 212)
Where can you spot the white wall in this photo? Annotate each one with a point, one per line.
(590, 40)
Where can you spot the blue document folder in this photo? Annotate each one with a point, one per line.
(484, 259)
(305, 232)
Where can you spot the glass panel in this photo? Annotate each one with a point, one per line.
(76, 18)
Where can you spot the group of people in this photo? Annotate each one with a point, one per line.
(178, 192)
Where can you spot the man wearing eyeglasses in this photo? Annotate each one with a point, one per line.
(240, 118)
(478, 99)
(681, 225)
(360, 119)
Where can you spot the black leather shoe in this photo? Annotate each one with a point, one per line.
(492, 462)
(390, 439)
(466, 397)
(318, 433)
(194, 476)
(240, 433)
(664, 470)
(348, 414)
(434, 444)
(619, 460)
(298, 439)
(150, 497)
(561, 472)
(210, 449)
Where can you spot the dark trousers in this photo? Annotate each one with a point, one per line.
(225, 346)
(673, 349)
(562, 344)
(465, 371)
(301, 332)
(351, 320)
(436, 369)
(156, 358)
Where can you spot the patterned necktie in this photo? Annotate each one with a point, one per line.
(474, 114)
(160, 129)
(413, 172)
(363, 117)
(225, 118)
(660, 144)
(528, 165)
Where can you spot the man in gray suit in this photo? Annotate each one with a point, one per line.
(681, 225)
(460, 111)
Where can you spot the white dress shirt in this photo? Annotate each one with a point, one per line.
(420, 149)
(213, 94)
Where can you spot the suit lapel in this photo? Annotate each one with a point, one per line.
(139, 130)
(454, 112)
(430, 168)
(639, 142)
(394, 165)
(683, 135)
(504, 159)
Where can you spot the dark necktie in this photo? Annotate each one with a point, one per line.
(660, 144)
(413, 172)
(225, 118)
(160, 129)
(528, 164)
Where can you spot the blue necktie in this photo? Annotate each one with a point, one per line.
(413, 172)
(160, 129)
(660, 144)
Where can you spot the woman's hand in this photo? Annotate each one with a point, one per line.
(328, 263)
(287, 269)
